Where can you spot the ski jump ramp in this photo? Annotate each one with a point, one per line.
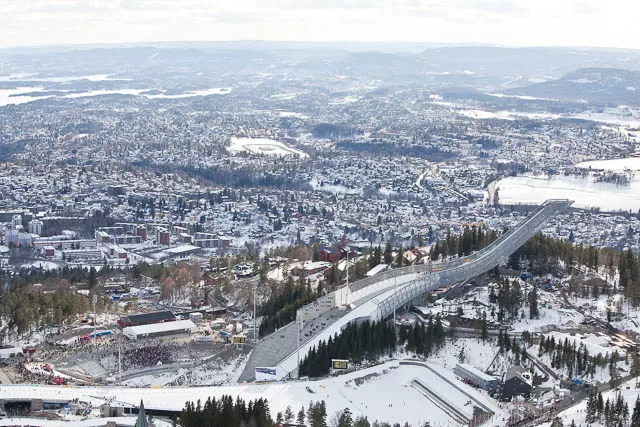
(376, 297)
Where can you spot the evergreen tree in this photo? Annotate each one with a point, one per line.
(388, 255)
(635, 364)
(600, 405)
(592, 405)
(614, 374)
(361, 421)
(533, 303)
(317, 414)
(345, 419)
(288, 414)
(635, 417)
(484, 333)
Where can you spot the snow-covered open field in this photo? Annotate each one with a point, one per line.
(264, 146)
(628, 163)
(20, 94)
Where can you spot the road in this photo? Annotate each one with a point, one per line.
(4, 379)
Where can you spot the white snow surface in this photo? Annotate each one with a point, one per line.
(385, 395)
(263, 146)
(585, 191)
(628, 163)
(15, 96)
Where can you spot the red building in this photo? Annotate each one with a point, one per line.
(164, 238)
(329, 254)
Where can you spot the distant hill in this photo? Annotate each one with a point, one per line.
(600, 86)
(201, 65)
(380, 64)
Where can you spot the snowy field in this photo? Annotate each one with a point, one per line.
(18, 95)
(381, 392)
(586, 192)
(625, 117)
(264, 146)
(629, 163)
(35, 77)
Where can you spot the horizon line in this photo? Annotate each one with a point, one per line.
(426, 44)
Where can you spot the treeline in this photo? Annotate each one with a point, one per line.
(27, 309)
(8, 150)
(248, 177)
(357, 342)
(433, 154)
(507, 344)
(236, 176)
(358, 270)
(472, 239)
(280, 309)
(613, 412)
(575, 359)
(544, 255)
(225, 412)
(70, 275)
(509, 298)
(334, 131)
(629, 269)
(420, 339)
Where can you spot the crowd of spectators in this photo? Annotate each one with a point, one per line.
(143, 357)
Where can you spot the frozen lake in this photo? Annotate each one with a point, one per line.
(629, 163)
(18, 96)
(585, 191)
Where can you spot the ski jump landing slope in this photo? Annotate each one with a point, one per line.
(382, 392)
(376, 297)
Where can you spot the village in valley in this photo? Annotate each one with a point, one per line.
(340, 244)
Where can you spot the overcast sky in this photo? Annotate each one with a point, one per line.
(611, 23)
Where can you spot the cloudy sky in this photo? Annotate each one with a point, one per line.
(611, 23)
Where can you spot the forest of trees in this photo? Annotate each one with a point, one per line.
(613, 412)
(237, 176)
(472, 239)
(69, 275)
(629, 269)
(281, 307)
(509, 297)
(421, 339)
(27, 309)
(334, 131)
(544, 255)
(357, 342)
(225, 412)
(433, 154)
(575, 359)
